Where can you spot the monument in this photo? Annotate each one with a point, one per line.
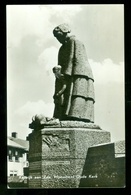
(59, 145)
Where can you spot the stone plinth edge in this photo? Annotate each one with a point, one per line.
(63, 124)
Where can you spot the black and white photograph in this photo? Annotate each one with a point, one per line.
(65, 96)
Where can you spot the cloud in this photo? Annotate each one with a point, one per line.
(48, 58)
(107, 71)
(33, 108)
(109, 96)
(21, 118)
(66, 12)
(23, 20)
(69, 9)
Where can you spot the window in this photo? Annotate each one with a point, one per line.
(27, 164)
(10, 155)
(10, 158)
(16, 156)
(9, 152)
(20, 154)
(13, 173)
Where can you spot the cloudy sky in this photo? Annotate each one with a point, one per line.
(32, 53)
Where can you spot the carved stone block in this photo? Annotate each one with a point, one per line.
(57, 155)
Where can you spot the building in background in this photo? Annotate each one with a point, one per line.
(17, 156)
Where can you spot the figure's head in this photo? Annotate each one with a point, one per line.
(57, 71)
(61, 32)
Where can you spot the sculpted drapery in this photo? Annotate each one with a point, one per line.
(79, 98)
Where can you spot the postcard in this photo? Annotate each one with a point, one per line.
(65, 96)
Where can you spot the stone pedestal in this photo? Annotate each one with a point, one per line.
(57, 155)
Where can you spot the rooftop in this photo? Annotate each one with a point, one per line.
(19, 143)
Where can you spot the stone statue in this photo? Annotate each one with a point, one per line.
(75, 99)
(74, 86)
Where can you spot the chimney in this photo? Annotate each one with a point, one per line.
(14, 134)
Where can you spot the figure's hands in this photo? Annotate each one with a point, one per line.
(57, 95)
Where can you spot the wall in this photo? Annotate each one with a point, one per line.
(104, 166)
(16, 167)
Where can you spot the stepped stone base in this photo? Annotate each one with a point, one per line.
(57, 155)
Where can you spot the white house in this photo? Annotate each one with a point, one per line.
(17, 155)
